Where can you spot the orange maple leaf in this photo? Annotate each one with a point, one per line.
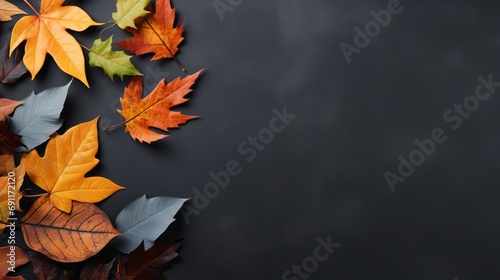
(156, 34)
(46, 33)
(154, 110)
(61, 171)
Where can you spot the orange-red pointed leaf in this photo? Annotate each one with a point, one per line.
(155, 33)
(154, 110)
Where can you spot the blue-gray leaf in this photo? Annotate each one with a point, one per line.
(38, 117)
(144, 219)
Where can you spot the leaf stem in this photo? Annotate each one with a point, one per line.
(34, 10)
(85, 48)
(166, 46)
(114, 126)
(111, 21)
(34, 195)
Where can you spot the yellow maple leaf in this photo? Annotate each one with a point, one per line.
(45, 33)
(61, 171)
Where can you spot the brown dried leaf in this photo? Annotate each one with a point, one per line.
(66, 237)
(149, 264)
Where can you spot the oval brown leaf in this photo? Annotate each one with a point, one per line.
(66, 237)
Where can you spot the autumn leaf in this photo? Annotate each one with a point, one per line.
(96, 270)
(7, 164)
(156, 34)
(113, 62)
(66, 237)
(11, 67)
(8, 140)
(67, 159)
(10, 185)
(7, 106)
(129, 10)
(144, 220)
(38, 118)
(154, 110)
(7, 10)
(7, 261)
(7, 264)
(4, 217)
(46, 269)
(141, 264)
(45, 33)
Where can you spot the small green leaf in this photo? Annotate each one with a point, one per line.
(128, 10)
(113, 62)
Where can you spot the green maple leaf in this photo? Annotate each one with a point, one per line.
(113, 62)
(128, 10)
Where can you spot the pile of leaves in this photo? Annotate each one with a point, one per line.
(63, 225)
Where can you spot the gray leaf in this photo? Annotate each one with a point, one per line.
(38, 117)
(144, 220)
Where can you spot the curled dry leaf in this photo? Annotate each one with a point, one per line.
(66, 237)
(61, 171)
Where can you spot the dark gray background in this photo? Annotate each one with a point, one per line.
(323, 175)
